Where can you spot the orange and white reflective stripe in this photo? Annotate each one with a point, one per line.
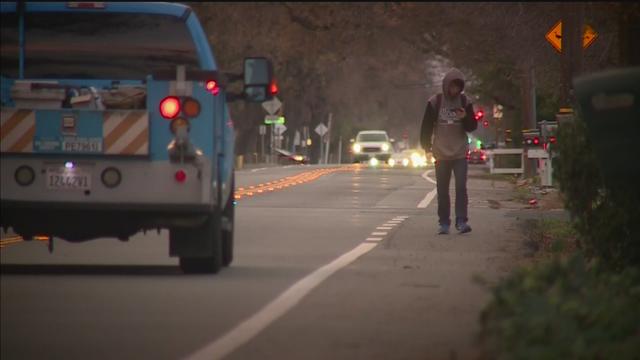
(126, 132)
(17, 129)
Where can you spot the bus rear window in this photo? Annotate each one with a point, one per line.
(97, 45)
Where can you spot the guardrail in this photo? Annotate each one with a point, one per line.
(499, 152)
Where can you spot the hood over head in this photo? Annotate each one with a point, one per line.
(451, 76)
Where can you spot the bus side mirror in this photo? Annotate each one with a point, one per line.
(258, 80)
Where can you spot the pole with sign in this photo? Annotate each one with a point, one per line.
(321, 129)
(272, 106)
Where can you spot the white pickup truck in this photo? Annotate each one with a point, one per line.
(372, 144)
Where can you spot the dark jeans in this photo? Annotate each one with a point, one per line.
(443, 178)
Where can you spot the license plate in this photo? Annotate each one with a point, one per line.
(68, 179)
(92, 145)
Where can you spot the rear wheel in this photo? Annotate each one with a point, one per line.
(228, 215)
(209, 231)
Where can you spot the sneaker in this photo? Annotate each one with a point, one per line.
(444, 229)
(463, 227)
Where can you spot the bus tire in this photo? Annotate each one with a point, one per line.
(227, 234)
(210, 231)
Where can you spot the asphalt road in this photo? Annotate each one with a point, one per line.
(324, 268)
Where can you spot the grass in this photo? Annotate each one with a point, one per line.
(548, 237)
(522, 194)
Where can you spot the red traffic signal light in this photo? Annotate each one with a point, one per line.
(485, 123)
(531, 140)
(273, 88)
(479, 115)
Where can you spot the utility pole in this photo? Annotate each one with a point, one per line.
(321, 157)
(529, 111)
(572, 33)
(340, 150)
(328, 135)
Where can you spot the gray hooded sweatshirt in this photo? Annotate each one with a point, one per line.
(449, 132)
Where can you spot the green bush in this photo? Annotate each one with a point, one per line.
(564, 310)
(606, 218)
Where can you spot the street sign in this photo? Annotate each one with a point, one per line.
(497, 111)
(272, 105)
(554, 36)
(273, 119)
(262, 130)
(321, 129)
(280, 129)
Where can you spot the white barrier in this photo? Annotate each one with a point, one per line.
(545, 168)
(498, 152)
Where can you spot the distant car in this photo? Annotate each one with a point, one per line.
(477, 157)
(371, 144)
(411, 158)
(286, 157)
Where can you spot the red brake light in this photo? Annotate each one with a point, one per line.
(273, 88)
(212, 87)
(181, 176)
(536, 141)
(169, 107)
(552, 139)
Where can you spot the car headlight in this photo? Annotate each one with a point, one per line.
(392, 162)
(405, 162)
(385, 147)
(356, 148)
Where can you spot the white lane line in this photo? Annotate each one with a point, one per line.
(395, 221)
(427, 199)
(391, 225)
(378, 233)
(254, 170)
(425, 175)
(374, 239)
(384, 228)
(431, 194)
(250, 327)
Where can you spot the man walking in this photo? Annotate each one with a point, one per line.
(448, 117)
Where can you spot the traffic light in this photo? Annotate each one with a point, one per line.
(479, 115)
(485, 123)
(531, 138)
(548, 131)
(507, 136)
